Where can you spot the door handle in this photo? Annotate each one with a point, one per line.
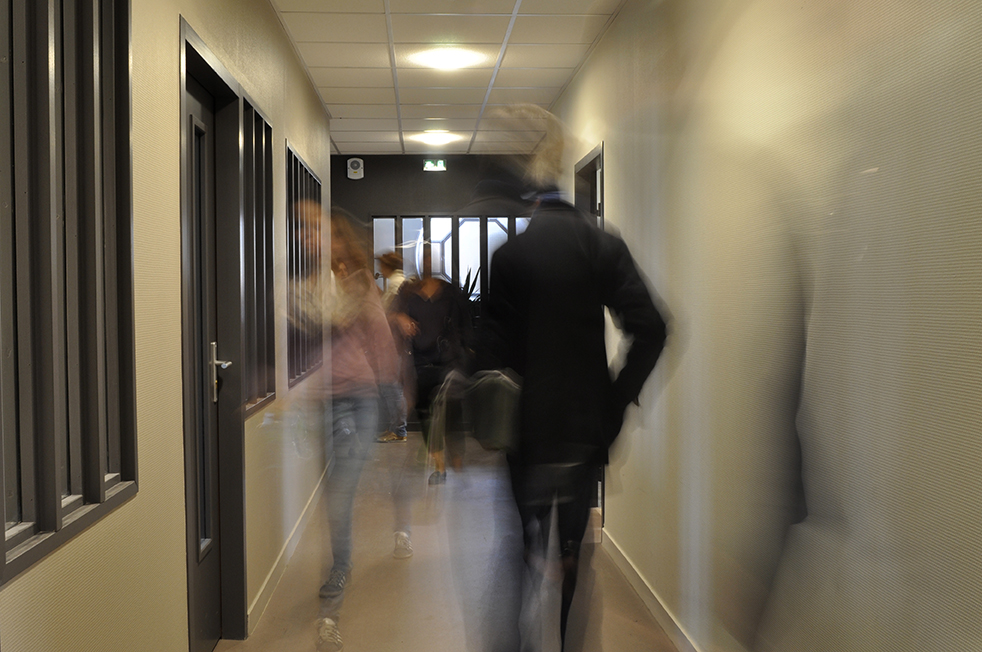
(215, 363)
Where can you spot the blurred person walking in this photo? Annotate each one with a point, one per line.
(363, 358)
(393, 402)
(431, 314)
(548, 290)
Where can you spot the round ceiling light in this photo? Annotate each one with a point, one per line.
(435, 137)
(447, 58)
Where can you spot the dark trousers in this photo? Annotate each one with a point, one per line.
(567, 488)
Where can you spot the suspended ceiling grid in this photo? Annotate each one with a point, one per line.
(357, 53)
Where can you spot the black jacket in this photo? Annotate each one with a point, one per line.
(548, 289)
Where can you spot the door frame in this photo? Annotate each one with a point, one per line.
(589, 172)
(198, 61)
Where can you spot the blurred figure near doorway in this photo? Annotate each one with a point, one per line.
(549, 287)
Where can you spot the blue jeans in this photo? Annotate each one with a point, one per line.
(394, 408)
(355, 425)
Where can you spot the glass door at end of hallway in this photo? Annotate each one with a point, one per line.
(455, 248)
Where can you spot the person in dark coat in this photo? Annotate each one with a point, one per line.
(431, 314)
(548, 290)
(549, 287)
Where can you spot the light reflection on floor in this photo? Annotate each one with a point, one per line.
(452, 595)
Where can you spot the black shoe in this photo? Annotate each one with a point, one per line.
(438, 477)
(334, 586)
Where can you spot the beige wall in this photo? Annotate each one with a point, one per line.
(121, 585)
(800, 183)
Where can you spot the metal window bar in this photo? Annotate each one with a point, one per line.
(46, 270)
(294, 280)
(318, 343)
(8, 386)
(261, 299)
(91, 289)
(269, 343)
(73, 154)
(290, 273)
(111, 61)
(249, 360)
(22, 106)
(84, 277)
(304, 265)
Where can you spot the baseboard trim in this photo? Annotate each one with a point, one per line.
(258, 606)
(664, 617)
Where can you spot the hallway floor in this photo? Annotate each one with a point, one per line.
(455, 591)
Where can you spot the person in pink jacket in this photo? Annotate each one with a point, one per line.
(363, 357)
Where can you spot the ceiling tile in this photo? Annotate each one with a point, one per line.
(362, 110)
(345, 55)
(410, 28)
(353, 149)
(500, 148)
(358, 95)
(406, 50)
(492, 121)
(500, 109)
(363, 124)
(532, 77)
(337, 28)
(544, 56)
(569, 6)
(452, 6)
(337, 6)
(460, 146)
(428, 78)
(440, 110)
(523, 95)
(450, 124)
(509, 136)
(352, 77)
(442, 95)
(557, 29)
(365, 136)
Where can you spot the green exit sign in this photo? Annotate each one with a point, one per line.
(434, 165)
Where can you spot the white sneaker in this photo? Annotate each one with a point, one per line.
(328, 636)
(404, 547)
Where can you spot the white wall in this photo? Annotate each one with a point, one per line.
(800, 181)
(121, 585)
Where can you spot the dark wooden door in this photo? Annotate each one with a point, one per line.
(201, 446)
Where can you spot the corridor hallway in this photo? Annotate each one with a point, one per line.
(801, 183)
(438, 600)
